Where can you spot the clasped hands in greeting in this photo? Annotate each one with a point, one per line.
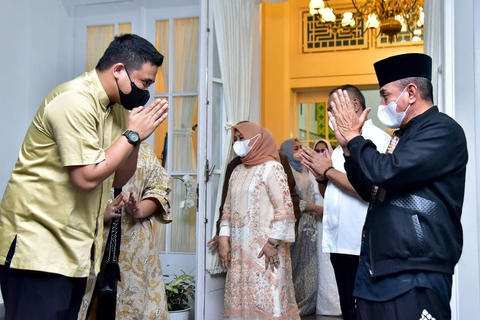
(114, 207)
(317, 163)
(346, 123)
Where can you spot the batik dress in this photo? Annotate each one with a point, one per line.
(141, 291)
(304, 250)
(258, 206)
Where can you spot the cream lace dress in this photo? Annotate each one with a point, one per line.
(258, 206)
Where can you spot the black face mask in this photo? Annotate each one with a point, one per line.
(136, 98)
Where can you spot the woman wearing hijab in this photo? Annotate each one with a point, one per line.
(328, 303)
(304, 250)
(141, 291)
(256, 229)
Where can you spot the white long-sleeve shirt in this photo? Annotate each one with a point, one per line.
(343, 214)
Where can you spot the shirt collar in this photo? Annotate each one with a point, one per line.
(369, 122)
(422, 117)
(100, 92)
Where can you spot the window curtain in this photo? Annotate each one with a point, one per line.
(162, 32)
(233, 22)
(98, 39)
(182, 115)
(433, 47)
(162, 41)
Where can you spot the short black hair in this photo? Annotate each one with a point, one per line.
(353, 92)
(131, 50)
(424, 86)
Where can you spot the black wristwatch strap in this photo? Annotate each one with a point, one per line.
(275, 245)
(127, 134)
(325, 172)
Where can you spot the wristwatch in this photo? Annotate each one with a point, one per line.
(132, 137)
(275, 245)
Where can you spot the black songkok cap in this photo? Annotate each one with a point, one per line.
(403, 66)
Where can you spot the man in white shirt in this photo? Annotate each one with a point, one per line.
(344, 211)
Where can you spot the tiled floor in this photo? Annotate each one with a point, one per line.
(311, 317)
(319, 317)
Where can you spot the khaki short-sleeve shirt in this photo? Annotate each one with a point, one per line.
(57, 226)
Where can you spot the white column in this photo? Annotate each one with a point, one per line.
(466, 82)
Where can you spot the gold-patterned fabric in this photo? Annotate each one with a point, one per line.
(141, 292)
(304, 250)
(55, 223)
(259, 205)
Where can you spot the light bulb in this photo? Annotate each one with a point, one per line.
(421, 19)
(328, 15)
(316, 4)
(372, 21)
(348, 20)
(400, 19)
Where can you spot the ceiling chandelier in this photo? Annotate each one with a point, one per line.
(389, 16)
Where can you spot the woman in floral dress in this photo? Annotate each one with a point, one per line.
(141, 291)
(256, 229)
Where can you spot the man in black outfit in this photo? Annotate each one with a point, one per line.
(413, 234)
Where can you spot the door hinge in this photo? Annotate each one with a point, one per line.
(208, 170)
(197, 196)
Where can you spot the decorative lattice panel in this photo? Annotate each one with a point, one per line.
(320, 37)
(404, 38)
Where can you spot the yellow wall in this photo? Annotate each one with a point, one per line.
(286, 72)
(276, 94)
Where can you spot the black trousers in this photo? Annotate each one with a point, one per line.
(345, 267)
(416, 304)
(39, 295)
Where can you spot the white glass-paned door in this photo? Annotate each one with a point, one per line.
(176, 140)
(214, 285)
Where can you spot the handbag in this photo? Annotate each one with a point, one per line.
(110, 271)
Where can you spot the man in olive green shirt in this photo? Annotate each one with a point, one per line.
(81, 143)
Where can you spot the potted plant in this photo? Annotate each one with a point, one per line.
(178, 291)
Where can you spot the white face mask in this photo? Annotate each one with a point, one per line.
(388, 114)
(330, 125)
(242, 148)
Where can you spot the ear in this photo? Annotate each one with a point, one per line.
(412, 93)
(356, 104)
(117, 69)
